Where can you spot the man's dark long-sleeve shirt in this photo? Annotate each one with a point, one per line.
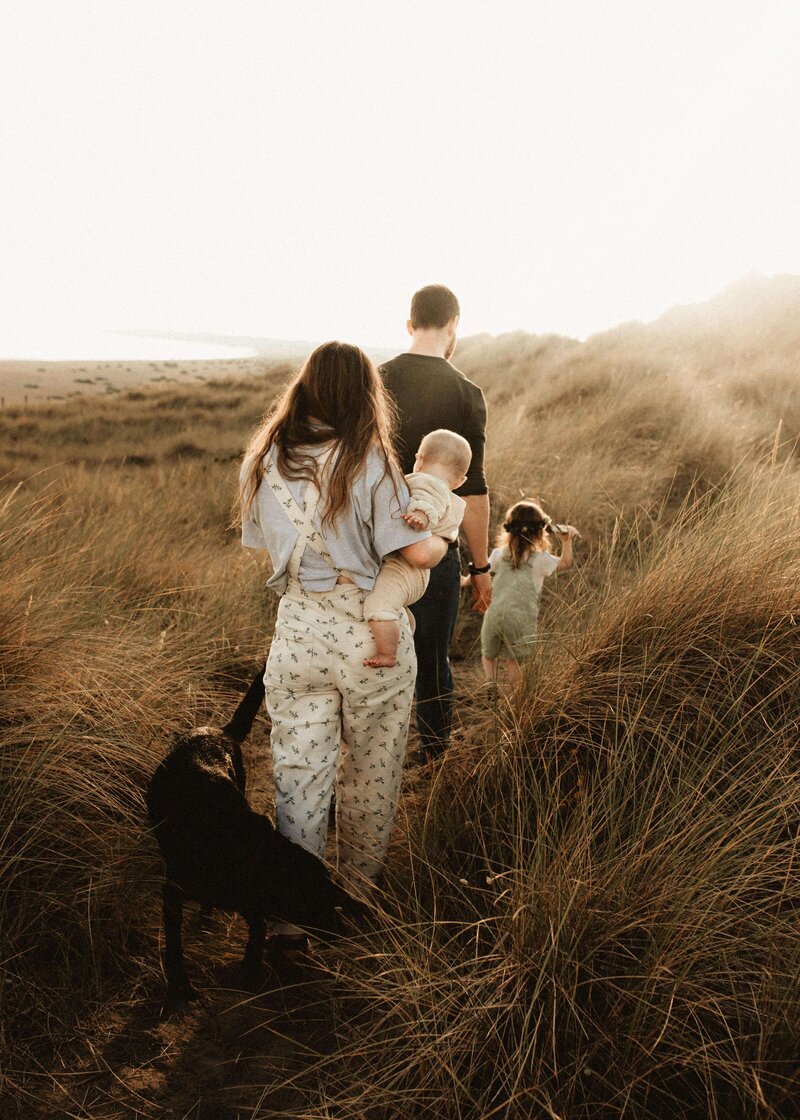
(431, 393)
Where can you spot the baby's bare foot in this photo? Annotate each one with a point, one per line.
(381, 661)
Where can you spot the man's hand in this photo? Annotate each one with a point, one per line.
(475, 527)
(481, 587)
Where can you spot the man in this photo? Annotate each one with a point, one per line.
(431, 393)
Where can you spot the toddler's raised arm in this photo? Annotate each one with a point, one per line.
(566, 538)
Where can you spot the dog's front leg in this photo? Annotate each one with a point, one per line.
(254, 951)
(178, 984)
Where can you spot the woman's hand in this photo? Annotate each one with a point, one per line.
(424, 554)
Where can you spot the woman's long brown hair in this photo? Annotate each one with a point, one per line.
(340, 388)
(524, 531)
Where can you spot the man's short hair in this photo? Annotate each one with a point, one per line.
(433, 307)
(448, 448)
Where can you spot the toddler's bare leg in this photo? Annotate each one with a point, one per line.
(386, 632)
(489, 669)
(514, 672)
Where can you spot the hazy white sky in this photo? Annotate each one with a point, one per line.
(296, 168)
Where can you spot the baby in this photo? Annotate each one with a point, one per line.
(440, 467)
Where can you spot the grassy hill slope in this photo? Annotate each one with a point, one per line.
(595, 899)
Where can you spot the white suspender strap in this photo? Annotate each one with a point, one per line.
(301, 518)
(310, 504)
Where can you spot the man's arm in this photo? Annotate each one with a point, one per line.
(475, 528)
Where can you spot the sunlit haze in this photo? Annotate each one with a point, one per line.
(296, 169)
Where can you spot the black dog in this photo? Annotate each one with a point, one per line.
(221, 853)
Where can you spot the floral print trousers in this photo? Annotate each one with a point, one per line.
(335, 720)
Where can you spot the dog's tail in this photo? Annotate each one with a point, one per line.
(242, 720)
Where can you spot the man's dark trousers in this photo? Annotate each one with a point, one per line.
(435, 614)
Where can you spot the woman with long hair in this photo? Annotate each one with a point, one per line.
(321, 492)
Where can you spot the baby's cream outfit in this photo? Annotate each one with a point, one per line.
(398, 583)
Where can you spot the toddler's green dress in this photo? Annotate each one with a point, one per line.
(509, 625)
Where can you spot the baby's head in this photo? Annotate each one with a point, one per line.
(445, 455)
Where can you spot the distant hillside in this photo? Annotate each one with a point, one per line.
(751, 327)
(754, 316)
(754, 305)
(633, 415)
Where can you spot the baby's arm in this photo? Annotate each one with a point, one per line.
(425, 507)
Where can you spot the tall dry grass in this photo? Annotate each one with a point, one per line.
(141, 427)
(594, 912)
(126, 613)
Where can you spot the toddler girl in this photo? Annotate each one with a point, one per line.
(519, 564)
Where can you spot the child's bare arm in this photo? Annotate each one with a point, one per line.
(566, 538)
